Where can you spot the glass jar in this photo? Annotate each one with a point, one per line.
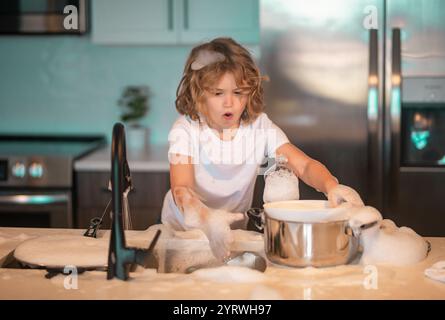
(281, 183)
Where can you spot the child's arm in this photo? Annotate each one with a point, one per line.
(182, 183)
(307, 169)
(181, 176)
(214, 223)
(315, 174)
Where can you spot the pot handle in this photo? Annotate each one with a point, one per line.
(363, 218)
(356, 231)
(256, 219)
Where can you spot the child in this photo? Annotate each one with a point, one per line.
(219, 141)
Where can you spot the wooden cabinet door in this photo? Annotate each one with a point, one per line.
(145, 200)
(141, 218)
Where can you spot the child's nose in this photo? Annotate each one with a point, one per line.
(228, 100)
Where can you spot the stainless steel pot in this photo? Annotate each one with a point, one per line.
(303, 244)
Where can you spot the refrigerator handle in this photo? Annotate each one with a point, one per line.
(375, 127)
(395, 108)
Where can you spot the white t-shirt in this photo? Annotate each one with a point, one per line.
(225, 171)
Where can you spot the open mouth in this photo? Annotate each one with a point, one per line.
(228, 115)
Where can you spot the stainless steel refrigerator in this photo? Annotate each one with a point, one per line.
(360, 86)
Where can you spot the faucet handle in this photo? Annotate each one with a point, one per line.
(129, 257)
(145, 257)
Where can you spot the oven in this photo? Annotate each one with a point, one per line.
(36, 179)
(37, 209)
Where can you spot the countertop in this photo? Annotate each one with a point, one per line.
(151, 158)
(342, 282)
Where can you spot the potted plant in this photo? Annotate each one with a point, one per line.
(134, 104)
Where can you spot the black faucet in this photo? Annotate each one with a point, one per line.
(120, 257)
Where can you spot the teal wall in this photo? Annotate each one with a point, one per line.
(66, 84)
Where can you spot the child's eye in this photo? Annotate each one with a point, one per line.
(218, 93)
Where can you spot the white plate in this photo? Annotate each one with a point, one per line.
(60, 251)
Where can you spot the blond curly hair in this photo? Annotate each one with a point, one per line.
(238, 61)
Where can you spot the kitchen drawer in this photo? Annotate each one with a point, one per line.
(142, 218)
(149, 189)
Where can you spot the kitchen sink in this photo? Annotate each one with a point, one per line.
(188, 255)
(175, 261)
(181, 256)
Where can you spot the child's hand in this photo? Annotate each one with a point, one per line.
(341, 193)
(214, 223)
(217, 230)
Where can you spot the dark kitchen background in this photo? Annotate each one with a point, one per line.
(358, 85)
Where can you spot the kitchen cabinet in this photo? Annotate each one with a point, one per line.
(139, 22)
(205, 20)
(145, 200)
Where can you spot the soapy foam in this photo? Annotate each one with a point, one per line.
(362, 216)
(305, 211)
(436, 271)
(5, 239)
(230, 274)
(247, 259)
(281, 185)
(387, 244)
(177, 255)
(186, 258)
(263, 292)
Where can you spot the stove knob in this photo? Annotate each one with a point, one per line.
(18, 170)
(35, 170)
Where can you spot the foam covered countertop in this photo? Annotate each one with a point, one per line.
(227, 282)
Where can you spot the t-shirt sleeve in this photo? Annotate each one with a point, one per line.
(275, 137)
(179, 138)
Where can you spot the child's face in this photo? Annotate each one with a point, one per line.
(225, 103)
